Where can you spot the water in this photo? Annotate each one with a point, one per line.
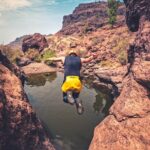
(67, 129)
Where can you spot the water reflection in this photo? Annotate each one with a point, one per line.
(40, 79)
(68, 130)
(100, 104)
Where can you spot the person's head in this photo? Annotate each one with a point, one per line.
(73, 53)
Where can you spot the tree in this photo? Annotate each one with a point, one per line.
(112, 11)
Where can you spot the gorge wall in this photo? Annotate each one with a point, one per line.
(128, 125)
(88, 17)
(20, 129)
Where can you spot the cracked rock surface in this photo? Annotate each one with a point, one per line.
(20, 129)
(128, 125)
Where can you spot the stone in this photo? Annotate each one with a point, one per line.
(35, 41)
(20, 129)
(127, 127)
(37, 68)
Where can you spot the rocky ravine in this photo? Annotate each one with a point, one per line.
(128, 125)
(110, 44)
(20, 129)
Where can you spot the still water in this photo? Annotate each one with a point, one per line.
(67, 129)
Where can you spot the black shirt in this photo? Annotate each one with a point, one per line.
(72, 66)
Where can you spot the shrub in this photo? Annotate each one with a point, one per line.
(112, 11)
(45, 55)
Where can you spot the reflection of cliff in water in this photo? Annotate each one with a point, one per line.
(101, 105)
(103, 99)
(41, 79)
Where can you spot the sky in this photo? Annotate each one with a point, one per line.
(22, 17)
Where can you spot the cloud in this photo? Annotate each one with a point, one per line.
(6, 5)
(51, 2)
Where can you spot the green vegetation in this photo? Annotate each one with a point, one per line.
(112, 11)
(47, 53)
(34, 55)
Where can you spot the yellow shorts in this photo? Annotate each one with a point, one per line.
(72, 83)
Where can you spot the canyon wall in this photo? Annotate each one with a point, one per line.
(88, 17)
(127, 127)
(20, 129)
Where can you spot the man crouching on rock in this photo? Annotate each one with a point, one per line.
(72, 84)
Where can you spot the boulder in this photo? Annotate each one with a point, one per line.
(23, 61)
(35, 41)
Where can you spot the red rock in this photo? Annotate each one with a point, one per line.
(87, 18)
(35, 41)
(20, 129)
(128, 125)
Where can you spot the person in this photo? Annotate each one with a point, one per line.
(72, 85)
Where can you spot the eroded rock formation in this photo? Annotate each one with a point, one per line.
(35, 41)
(128, 125)
(88, 17)
(20, 129)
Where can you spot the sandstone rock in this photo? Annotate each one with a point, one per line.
(36, 68)
(125, 135)
(12, 67)
(35, 41)
(127, 126)
(115, 75)
(20, 129)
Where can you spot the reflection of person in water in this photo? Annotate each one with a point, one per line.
(72, 84)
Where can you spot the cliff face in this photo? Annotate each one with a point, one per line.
(127, 126)
(20, 129)
(88, 17)
(135, 10)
